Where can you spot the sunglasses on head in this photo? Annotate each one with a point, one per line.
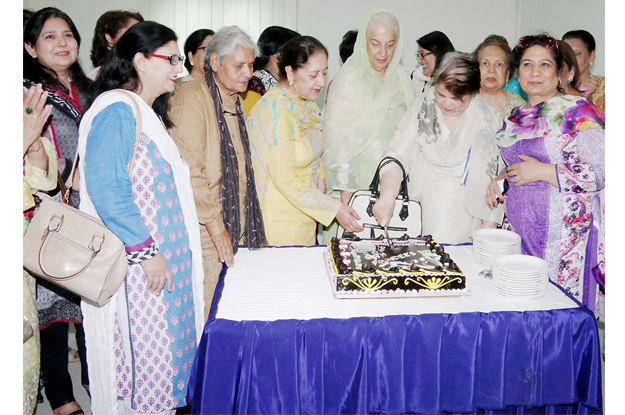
(545, 41)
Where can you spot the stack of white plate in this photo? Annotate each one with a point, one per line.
(520, 276)
(490, 244)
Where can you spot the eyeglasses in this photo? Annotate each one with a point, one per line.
(420, 55)
(173, 59)
(545, 41)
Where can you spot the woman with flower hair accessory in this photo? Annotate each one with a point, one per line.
(554, 147)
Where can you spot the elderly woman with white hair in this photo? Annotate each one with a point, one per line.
(369, 97)
(210, 132)
(446, 143)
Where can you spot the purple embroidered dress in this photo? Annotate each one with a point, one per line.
(155, 335)
(560, 224)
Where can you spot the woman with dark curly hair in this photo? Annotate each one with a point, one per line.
(108, 29)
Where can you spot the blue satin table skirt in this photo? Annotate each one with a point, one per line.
(533, 362)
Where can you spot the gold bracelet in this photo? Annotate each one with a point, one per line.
(35, 151)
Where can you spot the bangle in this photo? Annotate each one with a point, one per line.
(30, 150)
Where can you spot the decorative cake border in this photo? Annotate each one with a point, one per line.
(398, 293)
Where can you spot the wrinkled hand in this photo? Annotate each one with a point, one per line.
(347, 218)
(224, 248)
(33, 123)
(158, 273)
(531, 170)
(383, 209)
(321, 185)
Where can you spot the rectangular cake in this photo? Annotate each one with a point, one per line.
(405, 267)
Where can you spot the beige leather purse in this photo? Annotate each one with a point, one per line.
(73, 249)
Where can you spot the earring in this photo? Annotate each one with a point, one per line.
(570, 80)
(290, 82)
(559, 82)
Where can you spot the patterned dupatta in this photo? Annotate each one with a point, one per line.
(566, 114)
(61, 100)
(254, 227)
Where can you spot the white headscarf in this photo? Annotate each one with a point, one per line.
(362, 109)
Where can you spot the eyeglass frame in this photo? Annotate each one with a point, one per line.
(168, 58)
(420, 55)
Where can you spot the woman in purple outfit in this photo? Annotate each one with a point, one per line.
(554, 147)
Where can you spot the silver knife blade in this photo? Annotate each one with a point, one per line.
(386, 235)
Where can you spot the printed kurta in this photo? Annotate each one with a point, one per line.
(154, 337)
(559, 224)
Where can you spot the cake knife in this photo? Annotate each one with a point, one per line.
(386, 235)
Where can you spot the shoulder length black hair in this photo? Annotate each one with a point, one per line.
(193, 42)
(270, 41)
(118, 69)
(38, 73)
(438, 43)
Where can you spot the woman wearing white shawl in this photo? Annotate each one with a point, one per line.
(368, 98)
(142, 343)
(446, 143)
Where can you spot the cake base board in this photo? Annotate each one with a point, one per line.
(398, 293)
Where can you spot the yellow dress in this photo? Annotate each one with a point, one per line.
(34, 178)
(287, 144)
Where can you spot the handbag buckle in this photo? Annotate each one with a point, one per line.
(96, 240)
(56, 223)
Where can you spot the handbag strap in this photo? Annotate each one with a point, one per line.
(403, 189)
(137, 112)
(375, 183)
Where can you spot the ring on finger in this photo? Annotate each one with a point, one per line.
(29, 110)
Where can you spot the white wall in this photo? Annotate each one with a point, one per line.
(466, 22)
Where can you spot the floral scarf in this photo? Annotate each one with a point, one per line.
(566, 114)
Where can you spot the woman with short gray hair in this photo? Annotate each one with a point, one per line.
(211, 135)
(446, 143)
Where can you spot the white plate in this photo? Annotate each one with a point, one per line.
(523, 264)
(499, 236)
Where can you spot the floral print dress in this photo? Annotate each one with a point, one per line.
(563, 224)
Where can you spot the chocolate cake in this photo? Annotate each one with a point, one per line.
(407, 266)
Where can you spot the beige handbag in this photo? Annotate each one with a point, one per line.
(73, 249)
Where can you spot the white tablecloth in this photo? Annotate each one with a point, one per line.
(293, 283)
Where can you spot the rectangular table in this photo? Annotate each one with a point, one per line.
(279, 342)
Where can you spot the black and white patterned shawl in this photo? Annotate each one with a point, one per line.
(230, 201)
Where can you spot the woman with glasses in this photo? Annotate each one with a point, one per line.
(432, 48)
(51, 45)
(194, 51)
(446, 143)
(369, 96)
(554, 148)
(286, 142)
(143, 341)
(493, 55)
